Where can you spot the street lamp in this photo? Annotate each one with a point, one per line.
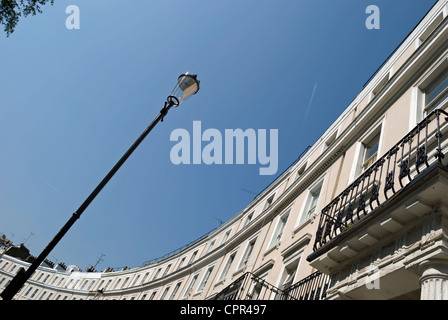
(186, 86)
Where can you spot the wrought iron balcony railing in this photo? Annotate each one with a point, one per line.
(405, 161)
(313, 287)
(251, 287)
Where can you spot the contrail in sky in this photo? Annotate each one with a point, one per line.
(52, 187)
(308, 108)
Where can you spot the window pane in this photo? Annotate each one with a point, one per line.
(372, 148)
(434, 93)
(437, 87)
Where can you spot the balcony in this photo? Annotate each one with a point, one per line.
(251, 287)
(397, 193)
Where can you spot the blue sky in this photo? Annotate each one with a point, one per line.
(73, 101)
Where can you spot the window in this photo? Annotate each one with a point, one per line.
(84, 284)
(431, 90)
(226, 236)
(288, 276)
(205, 278)
(124, 283)
(300, 171)
(135, 280)
(380, 86)
(227, 266)
(100, 284)
(330, 140)
(166, 270)
(34, 293)
(437, 91)
(247, 253)
(268, 202)
(248, 219)
(279, 229)
(181, 263)
(144, 278)
(311, 202)
(90, 285)
(193, 256)
(157, 273)
(107, 285)
(116, 283)
(210, 247)
(42, 295)
(430, 29)
(187, 291)
(257, 288)
(176, 288)
(370, 152)
(153, 294)
(60, 282)
(164, 293)
(28, 291)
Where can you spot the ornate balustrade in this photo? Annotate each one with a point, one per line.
(406, 160)
(251, 287)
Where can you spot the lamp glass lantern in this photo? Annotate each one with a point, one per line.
(186, 86)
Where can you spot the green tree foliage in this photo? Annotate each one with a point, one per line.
(12, 10)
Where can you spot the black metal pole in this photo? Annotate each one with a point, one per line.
(22, 276)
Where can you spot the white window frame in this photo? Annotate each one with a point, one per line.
(317, 187)
(175, 290)
(329, 141)
(210, 246)
(257, 285)
(205, 278)
(193, 257)
(226, 236)
(280, 227)
(246, 256)
(431, 27)
(248, 219)
(300, 171)
(156, 274)
(190, 285)
(181, 262)
(165, 292)
(229, 262)
(380, 85)
(269, 201)
(418, 103)
(167, 269)
(358, 162)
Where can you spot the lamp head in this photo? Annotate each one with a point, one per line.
(186, 86)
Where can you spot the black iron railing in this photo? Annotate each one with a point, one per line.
(405, 161)
(251, 287)
(313, 287)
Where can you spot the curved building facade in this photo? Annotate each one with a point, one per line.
(362, 214)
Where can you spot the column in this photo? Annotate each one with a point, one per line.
(434, 279)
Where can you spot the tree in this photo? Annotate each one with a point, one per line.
(12, 10)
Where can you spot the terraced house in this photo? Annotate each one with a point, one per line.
(362, 213)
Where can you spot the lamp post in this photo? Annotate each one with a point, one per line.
(186, 86)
